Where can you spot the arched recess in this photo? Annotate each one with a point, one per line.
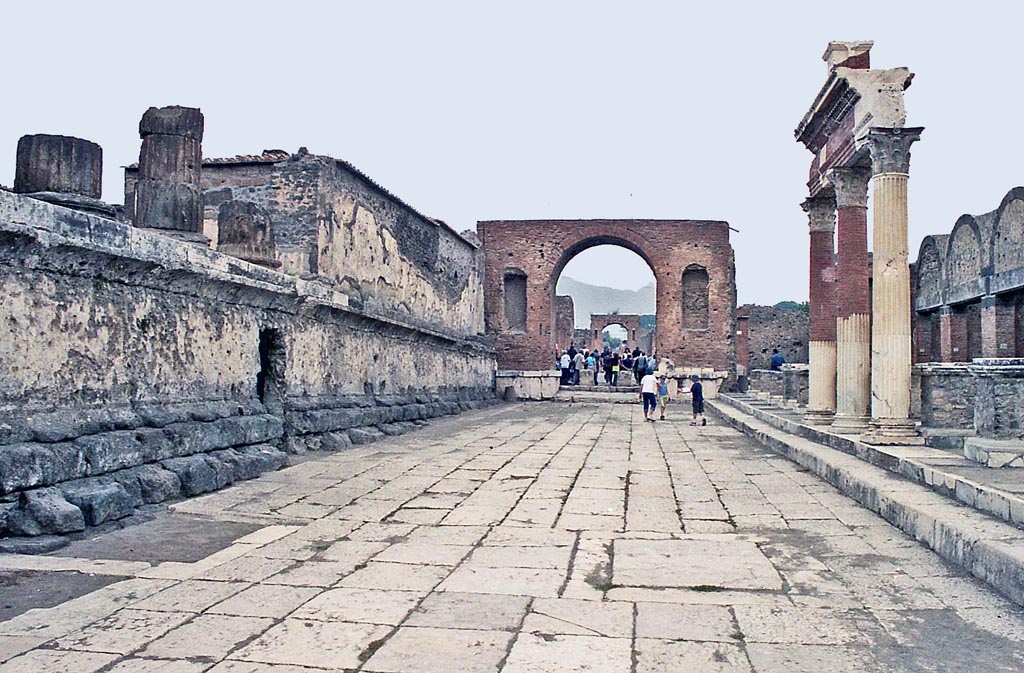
(1007, 245)
(964, 260)
(696, 303)
(930, 258)
(514, 293)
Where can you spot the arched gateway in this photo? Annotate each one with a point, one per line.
(628, 321)
(692, 262)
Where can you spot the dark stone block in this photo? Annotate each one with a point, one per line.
(422, 411)
(243, 466)
(195, 474)
(391, 429)
(29, 465)
(100, 500)
(44, 511)
(335, 441)
(122, 449)
(48, 163)
(173, 120)
(151, 483)
(364, 435)
(270, 458)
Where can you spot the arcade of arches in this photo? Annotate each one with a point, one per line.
(693, 266)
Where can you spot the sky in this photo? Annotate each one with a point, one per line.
(476, 110)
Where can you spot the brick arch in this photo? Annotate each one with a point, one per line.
(542, 248)
(1006, 249)
(599, 321)
(964, 260)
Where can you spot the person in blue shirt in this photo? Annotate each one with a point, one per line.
(662, 394)
(777, 359)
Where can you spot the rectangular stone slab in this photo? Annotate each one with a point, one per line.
(726, 562)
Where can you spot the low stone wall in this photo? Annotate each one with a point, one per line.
(790, 385)
(767, 383)
(135, 368)
(947, 395)
(528, 385)
(999, 400)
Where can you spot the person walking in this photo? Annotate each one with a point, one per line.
(697, 393)
(662, 393)
(592, 365)
(615, 369)
(649, 395)
(577, 366)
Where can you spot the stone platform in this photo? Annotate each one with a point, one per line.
(527, 538)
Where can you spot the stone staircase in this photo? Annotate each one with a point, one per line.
(600, 393)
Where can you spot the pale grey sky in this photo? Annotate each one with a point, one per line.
(477, 110)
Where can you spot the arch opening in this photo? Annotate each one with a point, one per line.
(596, 281)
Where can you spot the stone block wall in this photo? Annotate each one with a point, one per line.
(768, 327)
(136, 368)
(947, 395)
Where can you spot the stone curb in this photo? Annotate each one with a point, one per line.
(1007, 506)
(989, 549)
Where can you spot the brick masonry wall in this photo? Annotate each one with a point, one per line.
(541, 248)
(565, 322)
(769, 327)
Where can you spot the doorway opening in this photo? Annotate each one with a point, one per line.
(271, 373)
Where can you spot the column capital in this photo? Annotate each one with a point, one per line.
(890, 148)
(821, 212)
(851, 186)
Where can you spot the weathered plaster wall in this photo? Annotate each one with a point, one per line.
(129, 365)
(330, 220)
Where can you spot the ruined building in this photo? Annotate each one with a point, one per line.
(138, 365)
(692, 262)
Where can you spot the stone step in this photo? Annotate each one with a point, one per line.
(635, 390)
(971, 538)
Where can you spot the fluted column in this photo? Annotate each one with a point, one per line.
(890, 306)
(853, 301)
(821, 219)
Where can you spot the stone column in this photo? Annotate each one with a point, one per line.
(168, 195)
(59, 164)
(998, 339)
(821, 215)
(63, 171)
(890, 306)
(853, 301)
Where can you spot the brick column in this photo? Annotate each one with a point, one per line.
(853, 301)
(821, 217)
(890, 305)
(997, 327)
(952, 335)
(742, 345)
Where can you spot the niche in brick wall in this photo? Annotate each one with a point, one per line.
(695, 297)
(515, 299)
(270, 378)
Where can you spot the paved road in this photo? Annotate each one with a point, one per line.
(524, 539)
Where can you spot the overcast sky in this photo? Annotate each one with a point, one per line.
(479, 110)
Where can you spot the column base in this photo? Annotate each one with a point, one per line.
(845, 424)
(885, 432)
(819, 417)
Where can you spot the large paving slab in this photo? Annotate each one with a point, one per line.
(521, 539)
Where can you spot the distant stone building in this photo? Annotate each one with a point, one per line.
(768, 327)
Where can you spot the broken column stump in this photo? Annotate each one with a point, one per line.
(62, 170)
(168, 197)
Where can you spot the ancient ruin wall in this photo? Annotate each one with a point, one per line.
(769, 327)
(328, 219)
(131, 368)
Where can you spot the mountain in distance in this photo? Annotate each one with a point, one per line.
(589, 299)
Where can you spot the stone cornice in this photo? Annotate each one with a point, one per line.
(851, 186)
(890, 148)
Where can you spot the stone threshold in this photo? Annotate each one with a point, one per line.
(909, 462)
(991, 549)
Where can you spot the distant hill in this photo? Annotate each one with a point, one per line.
(589, 299)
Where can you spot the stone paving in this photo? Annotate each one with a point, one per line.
(530, 538)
